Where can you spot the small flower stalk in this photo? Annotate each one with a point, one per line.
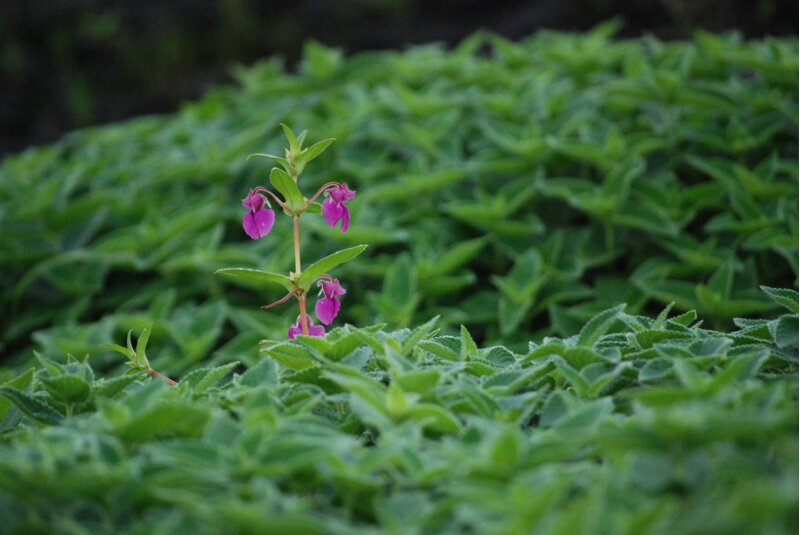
(259, 220)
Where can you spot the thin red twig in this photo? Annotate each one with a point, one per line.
(275, 197)
(167, 379)
(280, 301)
(322, 189)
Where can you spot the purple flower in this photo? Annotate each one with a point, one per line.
(313, 330)
(328, 307)
(257, 221)
(334, 209)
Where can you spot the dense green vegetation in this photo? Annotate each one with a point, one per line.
(661, 427)
(516, 190)
(519, 193)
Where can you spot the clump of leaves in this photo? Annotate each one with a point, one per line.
(633, 425)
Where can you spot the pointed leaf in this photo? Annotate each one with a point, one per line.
(33, 408)
(256, 275)
(283, 161)
(598, 325)
(314, 150)
(287, 187)
(783, 296)
(18, 383)
(321, 267)
(294, 144)
(67, 388)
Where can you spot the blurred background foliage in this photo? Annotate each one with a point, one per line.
(68, 64)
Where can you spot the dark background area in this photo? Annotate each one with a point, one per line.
(65, 64)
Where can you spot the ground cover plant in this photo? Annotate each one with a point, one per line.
(575, 314)
(634, 425)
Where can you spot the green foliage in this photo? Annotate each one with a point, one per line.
(515, 192)
(636, 425)
(313, 272)
(526, 185)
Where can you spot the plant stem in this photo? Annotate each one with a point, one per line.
(274, 197)
(303, 315)
(280, 301)
(297, 268)
(167, 379)
(322, 189)
(301, 298)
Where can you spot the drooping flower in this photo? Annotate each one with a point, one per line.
(313, 330)
(327, 307)
(334, 208)
(257, 221)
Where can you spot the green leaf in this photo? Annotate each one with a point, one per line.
(578, 381)
(469, 350)
(108, 388)
(294, 144)
(421, 332)
(435, 418)
(325, 265)
(67, 388)
(291, 355)
(263, 373)
(33, 408)
(204, 378)
(287, 187)
(784, 297)
(282, 161)
(256, 276)
(121, 350)
(587, 416)
(598, 325)
(167, 418)
(786, 331)
(313, 151)
(18, 383)
(421, 382)
(655, 370)
(721, 281)
(439, 349)
(141, 345)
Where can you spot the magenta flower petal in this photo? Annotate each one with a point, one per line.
(341, 194)
(332, 288)
(258, 224)
(345, 218)
(296, 329)
(332, 212)
(334, 208)
(326, 309)
(316, 330)
(253, 201)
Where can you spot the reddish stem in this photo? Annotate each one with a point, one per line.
(297, 270)
(321, 190)
(303, 315)
(275, 197)
(167, 379)
(280, 301)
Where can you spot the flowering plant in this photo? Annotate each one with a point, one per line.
(260, 218)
